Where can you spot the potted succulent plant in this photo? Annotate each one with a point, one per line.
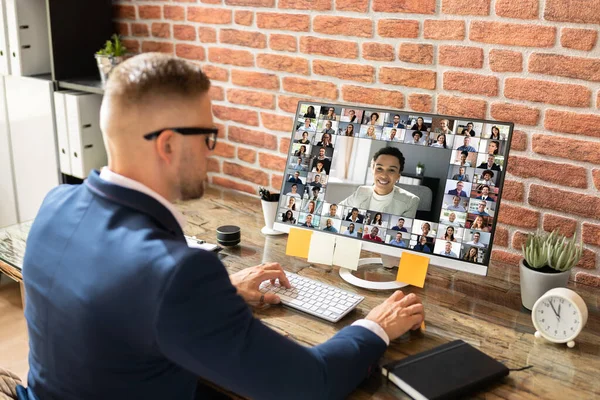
(546, 264)
(420, 168)
(110, 56)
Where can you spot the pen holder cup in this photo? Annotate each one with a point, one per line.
(270, 213)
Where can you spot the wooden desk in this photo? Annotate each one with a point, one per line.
(484, 311)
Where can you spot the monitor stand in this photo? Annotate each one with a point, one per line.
(374, 273)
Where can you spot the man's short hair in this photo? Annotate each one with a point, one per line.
(155, 75)
(400, 219)
(354, 209)
(316, 189)
(417, 133)
(294, 185)
(487, 171)
(391, 151)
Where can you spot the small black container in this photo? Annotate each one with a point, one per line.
(228, 235)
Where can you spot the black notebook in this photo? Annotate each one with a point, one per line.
(446, 372)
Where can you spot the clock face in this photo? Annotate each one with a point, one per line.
(557, 318)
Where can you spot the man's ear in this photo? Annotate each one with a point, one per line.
(165, 146)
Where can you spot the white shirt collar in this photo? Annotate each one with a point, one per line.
(120, 180)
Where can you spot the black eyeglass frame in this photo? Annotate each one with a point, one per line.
(211, 140)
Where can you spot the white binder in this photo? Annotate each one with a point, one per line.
(85, 137)
(28, 39)
(4, 49)
(62, 132)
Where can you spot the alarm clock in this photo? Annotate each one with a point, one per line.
(559, 316)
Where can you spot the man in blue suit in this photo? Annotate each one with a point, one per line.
(119, 307)
(458, 190)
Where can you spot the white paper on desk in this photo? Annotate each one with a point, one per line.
(321, 248)
(347, 253)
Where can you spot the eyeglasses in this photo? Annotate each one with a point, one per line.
(211, 139)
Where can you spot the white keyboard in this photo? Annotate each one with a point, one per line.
(313, 297)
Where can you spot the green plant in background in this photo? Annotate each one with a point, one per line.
(420, 165)
(113, 47)
(553, 250)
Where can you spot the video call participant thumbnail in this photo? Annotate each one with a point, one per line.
(355, 216)
(384, 195)
(490, 164)
(395, 122)
(351, 231)
(308, 126)
(329, 226)
(294, 191)
(331, 211)
(397, 241)
(447, 251)
(326, 161)
(400, 226)
(485, 194)
(423, 245)
(476, 241)
(288, 217)
(470, 254)
(372, 234)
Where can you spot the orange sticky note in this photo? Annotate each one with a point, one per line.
(298, 242)
(423, 325)
(412, 269)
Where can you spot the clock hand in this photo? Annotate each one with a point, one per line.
(558, 312)
(553, 309)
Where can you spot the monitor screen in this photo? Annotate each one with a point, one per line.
(397, 180)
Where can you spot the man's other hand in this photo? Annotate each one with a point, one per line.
(398, 314)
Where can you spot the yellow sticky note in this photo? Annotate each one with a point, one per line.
(412, 269)
(298, 243)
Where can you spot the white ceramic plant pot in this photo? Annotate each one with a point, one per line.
(534, 283)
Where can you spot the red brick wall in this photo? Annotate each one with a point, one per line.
(536, 63)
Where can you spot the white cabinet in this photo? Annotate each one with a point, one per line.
(4, 50)
(27, 26)
(33, 141)
(8, 208)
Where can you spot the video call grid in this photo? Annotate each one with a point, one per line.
(473, 179)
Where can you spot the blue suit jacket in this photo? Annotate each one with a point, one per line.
(118, 306)
(454, 192)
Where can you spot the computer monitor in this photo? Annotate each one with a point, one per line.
(397, 180)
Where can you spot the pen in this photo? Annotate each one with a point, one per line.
(264, 193)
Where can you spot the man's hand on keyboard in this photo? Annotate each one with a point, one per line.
(247, 282)
(398, 314)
